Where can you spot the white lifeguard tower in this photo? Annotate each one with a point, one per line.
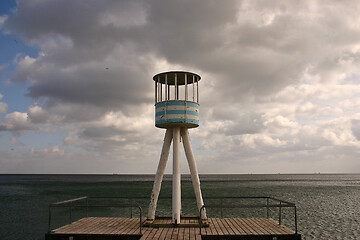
(176, 109)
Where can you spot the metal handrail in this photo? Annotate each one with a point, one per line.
(281, 205)
(68, 203)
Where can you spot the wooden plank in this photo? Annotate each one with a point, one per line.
(133, 226)
(120, 226)
(237, 229)
(285, 229)
(97, 226)
(108, 225)
(175, 233)
(164, 233)
(241, 225)
(271, 223)
(255, 228)
(271, 227)
(169, 233)
(74, 227)
(223, 226)
(197, 234)
(232, 228)
(259, 227)
(116, 227)
(181, 233)
(149, 233)
(186, 233)
(263, 224)
(192, 234)
(212, 229)
(217, 227)
(244, 225)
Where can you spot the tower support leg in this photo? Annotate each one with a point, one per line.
(160, 174)
(176, 178)
(193, 170)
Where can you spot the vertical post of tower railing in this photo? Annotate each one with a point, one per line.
(166, 88)
(186, 88)
(156, 91)
(159, 87)
(176, 88)
(160, 90)
(193, 88)
(197, 90)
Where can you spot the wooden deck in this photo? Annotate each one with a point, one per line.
(128, 228)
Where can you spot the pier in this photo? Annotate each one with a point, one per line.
(192, 227)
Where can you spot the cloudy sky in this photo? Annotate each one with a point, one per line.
(280, 88)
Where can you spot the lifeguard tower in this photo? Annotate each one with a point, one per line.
(176, 110)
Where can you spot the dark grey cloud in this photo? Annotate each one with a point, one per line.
(248, 56)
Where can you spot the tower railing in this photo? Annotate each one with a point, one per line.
(74, 203)
(176, 86)
(277, 204)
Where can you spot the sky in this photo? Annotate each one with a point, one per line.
(280, 87)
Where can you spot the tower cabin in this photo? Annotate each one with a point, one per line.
(177, 99)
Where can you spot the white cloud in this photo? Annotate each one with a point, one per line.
(54, 150)
(17, 123)
(3, 106)
(2, 20)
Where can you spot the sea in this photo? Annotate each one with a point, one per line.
(328, 205)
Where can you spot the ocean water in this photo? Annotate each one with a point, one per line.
(328, 205)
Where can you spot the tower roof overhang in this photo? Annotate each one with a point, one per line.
(180, 75)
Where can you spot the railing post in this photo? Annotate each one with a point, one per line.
(280, 214)
(295, 219)
(49, 227)
(200, 220)
(221, 209)
(267, 207)
(70, 215)
(87, 208)
(131, 209)
(140, 219)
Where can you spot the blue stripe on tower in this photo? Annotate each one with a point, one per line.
(168, 112)
(177, 120)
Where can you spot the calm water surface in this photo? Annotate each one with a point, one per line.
(328, 205)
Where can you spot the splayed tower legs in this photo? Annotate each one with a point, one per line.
(193, 170)
(175, 134)
(160, 173)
